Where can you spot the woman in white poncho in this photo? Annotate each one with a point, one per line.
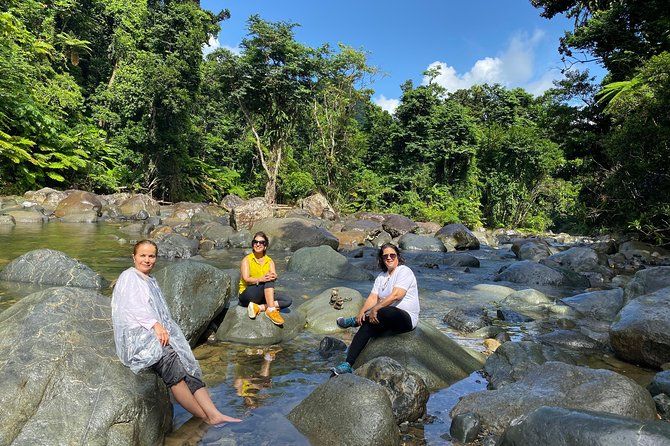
(147, 337)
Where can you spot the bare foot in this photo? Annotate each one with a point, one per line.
(221, 419)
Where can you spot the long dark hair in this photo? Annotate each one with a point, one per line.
(265, 237)
(380, 259)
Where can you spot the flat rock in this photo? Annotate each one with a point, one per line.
(175, 246)
(237, 327)
(51, 267)
(531, 273)
(61, 382)
(320, 316)
(414, 242)
(602, 305)
(294, 233)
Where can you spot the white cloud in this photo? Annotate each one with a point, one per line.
(514, 67)
(387, 104)
(210, 46)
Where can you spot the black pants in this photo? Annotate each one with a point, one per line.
(256, 294)
(392, 321)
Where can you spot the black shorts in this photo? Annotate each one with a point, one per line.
(171, 371)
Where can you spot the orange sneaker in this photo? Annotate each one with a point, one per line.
(253, 310)
(274, 316)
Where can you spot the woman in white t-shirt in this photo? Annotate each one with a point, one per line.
(391, 308)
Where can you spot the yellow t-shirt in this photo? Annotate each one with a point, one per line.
(255, 269)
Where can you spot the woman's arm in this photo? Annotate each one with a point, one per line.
(272, 274)
(244, 273)
(370, 302)
(396, 294)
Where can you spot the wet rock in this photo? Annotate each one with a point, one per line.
(490, 331)
(7, 220)
(512, 361)
(465, 427)
(426, 351)
(578, 258)
(249, 213)
(231, 201)
(61, 379)
(528, 296)
(195, 293)
(531, 273)
(406, 390)
(27, 215)
(660, 383)
(380, 239)
(460, 259)
(561, 385)
(494, 291)
(316, 205)
(602, 305)
(176, 246)
(555, 426)
(505, 314)
(647, 281)
(662, 402)
(533, 249)
(572, 340)
(467, 320)
(294, 233)
(457, 236)
(364, 414)
(324, 261)
(320, 315)
(139, 205)
(641, 331)
(213, 231)
(398, 225)
(51, 267)
(79, 207)
(414, 242)
(237, 327)
(330, 346)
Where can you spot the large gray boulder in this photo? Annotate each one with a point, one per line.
(320, 316)
(51, 267)
(578, 258)
(175, 246)
(139, 206)
(641, 331)
(602, 305)
(317, 205)
(214, 231)
(30, 215)
(660, 383)
(645, 251)
(555, 426)
(195, 293)
(347, 409)
(79, 207)
(294, 233)
(414, 242)
(237, 327)
(457, 236)
(531, 249)
(324, 261)
(369, 228)
(468, 319)
(406, 390)
(245, 215)
(562, 385)
(61, 382)
(231, 201)
(46, 197)
(647, 281)
(531, 273)
(398, 225)
(426, 351)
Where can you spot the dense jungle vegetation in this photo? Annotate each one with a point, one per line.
(115, 95)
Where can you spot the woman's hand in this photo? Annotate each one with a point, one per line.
(162, 334)
(269, 277)
(360, 317)
(372, 315)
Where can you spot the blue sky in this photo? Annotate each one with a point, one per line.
(475, 41)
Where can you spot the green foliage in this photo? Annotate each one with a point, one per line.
(297, 185)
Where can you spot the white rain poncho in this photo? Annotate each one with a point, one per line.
(137, 304)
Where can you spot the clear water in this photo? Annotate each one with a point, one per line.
(261, 385)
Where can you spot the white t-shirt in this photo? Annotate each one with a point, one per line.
(402, 277)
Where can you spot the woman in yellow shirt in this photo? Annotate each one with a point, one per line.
(257, 282)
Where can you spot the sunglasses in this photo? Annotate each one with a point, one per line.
(389, 256)
(259, 242)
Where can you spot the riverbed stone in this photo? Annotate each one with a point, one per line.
(647, 281)
(398, 225)
(602, 305)
(46, 197)
(231, 201)
(427, 227)
(294, 233)
(467, 320)
(457, 236)
(512, 360)
(641, 331)
(30, 215)
(556, 426)
(245, 215)
(324, 261)
(7, 220)
(642, 250)
(465, 427)
(237, 327)
(213, 231)
(61, 381)
(531, 273)
(320, 316)
(175, 246)
(406, 390)
(195, 293)
(660, 383)
(426, 351)
(562, 385)
(380, 239)
(330, 346)
(51, 267)
(139, 205)
(460, 260)
(572, 340)
(578, 258)
(79, 207)
(363, 414)
(414, 242)
(240, 239)
(532, 249)
(316, 205)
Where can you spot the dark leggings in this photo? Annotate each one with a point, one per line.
(256, 294)
(392, 321)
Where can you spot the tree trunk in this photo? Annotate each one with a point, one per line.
(271, 190)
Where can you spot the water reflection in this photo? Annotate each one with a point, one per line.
(251, 378)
